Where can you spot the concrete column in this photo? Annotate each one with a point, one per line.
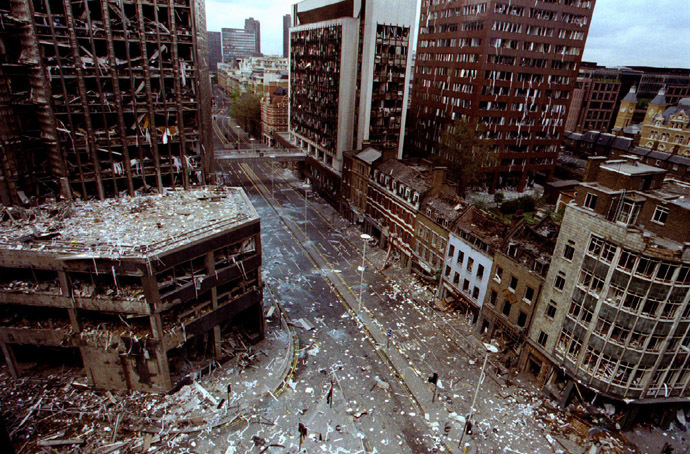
(161, 355)
(211, 270)
(10, 360)
(67, 291)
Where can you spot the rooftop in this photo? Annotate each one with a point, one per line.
(444, 207)
(482, 225)
(627, 167)
(410, 176)
(369, 155)
(125, 227)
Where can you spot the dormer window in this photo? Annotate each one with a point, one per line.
(629, 212)
(660, 215)
(590, 200)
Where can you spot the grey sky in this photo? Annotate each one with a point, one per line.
(623, 32)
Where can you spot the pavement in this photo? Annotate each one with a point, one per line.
(446, 423)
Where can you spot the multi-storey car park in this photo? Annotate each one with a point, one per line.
(132, 286)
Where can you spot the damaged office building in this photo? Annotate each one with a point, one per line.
(615, 317)
(99, 98)
(134, 287)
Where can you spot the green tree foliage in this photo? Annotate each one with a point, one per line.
(246, 110)
(524, 203)
(466, 150)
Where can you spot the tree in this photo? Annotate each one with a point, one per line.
(246, 110)
(467, 150)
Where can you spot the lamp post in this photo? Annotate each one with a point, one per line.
(272, 158)
(489, 349)
(306, 187)
(365, 238)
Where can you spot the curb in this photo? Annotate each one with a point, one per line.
(215, 420)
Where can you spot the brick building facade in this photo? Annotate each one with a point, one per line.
(510, 65)
(274, 113)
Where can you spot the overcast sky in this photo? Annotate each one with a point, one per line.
(623, 32)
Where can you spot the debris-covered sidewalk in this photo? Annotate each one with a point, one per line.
(54, 411)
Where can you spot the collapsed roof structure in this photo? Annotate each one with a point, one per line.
(130, 283)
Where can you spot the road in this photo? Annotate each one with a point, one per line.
(226, 133)
(376, 405)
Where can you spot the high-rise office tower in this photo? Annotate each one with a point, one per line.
(100, 98)
(511, 65)
(348, 73)
(286, 36)
(253, 25)
(215, 51)
(239, 43)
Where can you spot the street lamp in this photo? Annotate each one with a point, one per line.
(306, 187)
(272, 158)
(366, 238)
(489, 349)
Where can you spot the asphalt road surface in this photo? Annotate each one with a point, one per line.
(372, 407)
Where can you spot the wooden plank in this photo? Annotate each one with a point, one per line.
(65, 442)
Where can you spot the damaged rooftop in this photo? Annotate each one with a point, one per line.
(128, 226)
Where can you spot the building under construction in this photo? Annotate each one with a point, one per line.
(102, 97)
(134, 287)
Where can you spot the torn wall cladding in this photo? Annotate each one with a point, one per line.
(110, 96)
(134, 285)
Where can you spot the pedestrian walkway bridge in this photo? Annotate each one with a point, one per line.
(260, 154)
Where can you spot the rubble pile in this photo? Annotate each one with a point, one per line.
(123, 226)
(55, 411)
(59, 411)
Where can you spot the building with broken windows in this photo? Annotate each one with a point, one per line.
(134, 287)
(616, 305)
(517, 281)
(101, 98)
(511, 65)
(357, 169)
(473, 239)
(432, 232)
(395, 193)
(349, 63)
